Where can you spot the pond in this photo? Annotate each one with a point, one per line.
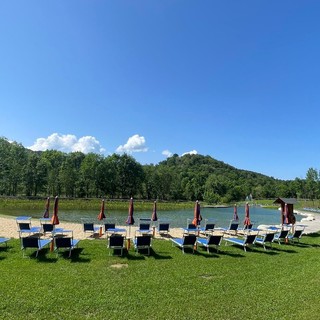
(177, 218)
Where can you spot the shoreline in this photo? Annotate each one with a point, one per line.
(8, 227)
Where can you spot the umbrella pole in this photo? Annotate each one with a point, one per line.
(128, 240)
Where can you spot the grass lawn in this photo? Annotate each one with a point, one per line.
(282, 283)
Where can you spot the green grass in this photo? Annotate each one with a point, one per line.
(95, 203)
(90, 204)
(282, 283)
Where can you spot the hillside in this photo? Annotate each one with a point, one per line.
(189, 177)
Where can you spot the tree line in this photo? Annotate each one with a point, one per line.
(189, 177)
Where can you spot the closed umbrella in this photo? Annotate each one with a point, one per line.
(46, 211)
(285, 214)
(247, 221)
(197, 216)
(154, 216)
(101, 216)
(235, 213)
(130, 220)
(55, 219)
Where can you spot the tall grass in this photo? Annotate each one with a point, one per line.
(282, 283)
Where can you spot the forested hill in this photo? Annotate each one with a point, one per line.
(220, 182)
(190, 177)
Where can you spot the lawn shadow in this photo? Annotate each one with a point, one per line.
(213, 253)
(283, 249)
(165, 236)
(232, 254)
(313, 235)
(4, 249)
(43, 256)
(143, 253)
(75, 256)
(135, 256)
(157, 256)
(304, 245)
(269, 251)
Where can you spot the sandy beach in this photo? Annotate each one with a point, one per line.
(8, 227)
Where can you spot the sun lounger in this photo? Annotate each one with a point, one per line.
(163, 228)
(4, 240)
(297, 234)
(33, 242)
(264, 239)
(144, 226)
(67, 243)
(282, 236)
(116, 242)
(212, 241)
(142, 242)
(48, 227)
(187, 241)
(233, 227)
(25, 227)
(208, 228)
(245, 242)
(108, 226)
(89, 227)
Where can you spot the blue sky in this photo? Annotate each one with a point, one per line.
(235, 80)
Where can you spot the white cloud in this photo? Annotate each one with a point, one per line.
(135, 143)
(68, 143)
(190, 152)
(167, 153)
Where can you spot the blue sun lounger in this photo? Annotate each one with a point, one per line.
(67, 243)
(91, 228)
(296, 234)
(4, 240)
(212, 241)
(163, 228)
(142, 242)
(264, 239)
(247, 241)
(24, 226)
(116, 242)
(33, 242)
(187, 241)
(282, 236)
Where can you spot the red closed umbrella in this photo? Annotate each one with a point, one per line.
(247, 221)
(197, 216)
(154, 216)
(101, 214)
(55, 219)
(235, 213)
(46, 211)
(130, 220)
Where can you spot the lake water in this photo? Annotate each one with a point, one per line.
(177, 218)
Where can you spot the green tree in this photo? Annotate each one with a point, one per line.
(52, 160)
(88, 174)
(312, 183)
(131, 176)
